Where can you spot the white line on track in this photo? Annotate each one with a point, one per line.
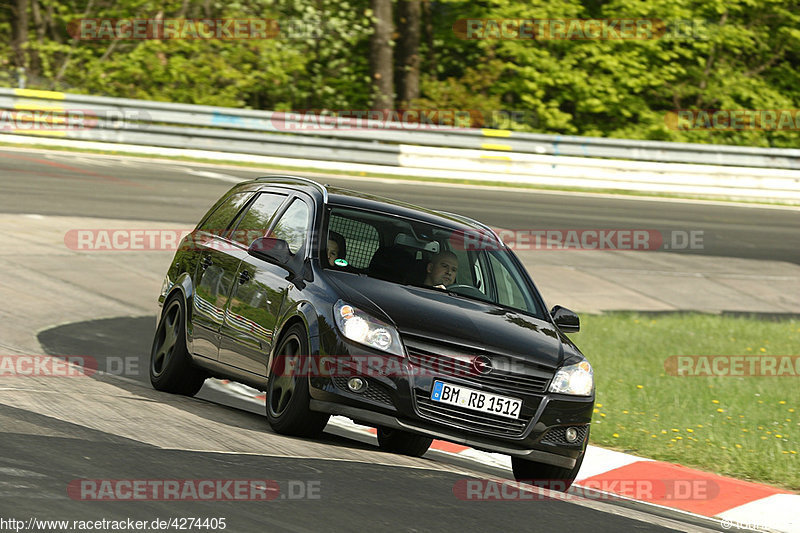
(212, 175)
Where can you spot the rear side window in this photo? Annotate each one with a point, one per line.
(362, 239)
(293, 226)
(221, 218)
(256, 220)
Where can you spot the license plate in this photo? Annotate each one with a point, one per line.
(476, 400)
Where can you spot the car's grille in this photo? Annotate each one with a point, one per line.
(558, 437)
(443, 365)
(472, 420)
(374, 391)
(446, 360)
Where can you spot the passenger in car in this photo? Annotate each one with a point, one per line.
(442, 270)
(336, 247)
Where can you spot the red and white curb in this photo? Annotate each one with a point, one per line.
(739, 505)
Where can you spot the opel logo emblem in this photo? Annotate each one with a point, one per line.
(482, 365)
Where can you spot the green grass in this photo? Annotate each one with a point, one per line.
(744, 427)
(409, 177)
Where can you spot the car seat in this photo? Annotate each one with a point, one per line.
(392, 263)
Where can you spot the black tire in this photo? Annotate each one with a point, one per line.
(287, 395)
(171, 368)
(544, 475)
(403, 442)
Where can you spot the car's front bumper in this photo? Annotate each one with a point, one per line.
(366, 416)
(402, 401)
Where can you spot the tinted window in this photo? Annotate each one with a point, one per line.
(221, 218)
(293, 226)
(256, 220)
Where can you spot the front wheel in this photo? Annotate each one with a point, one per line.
(287, 392)
(403, 442)
(544, 475)
(171, 368)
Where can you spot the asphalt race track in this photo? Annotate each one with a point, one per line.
(114, 426)
(71, 184)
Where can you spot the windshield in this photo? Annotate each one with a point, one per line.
(410, 252)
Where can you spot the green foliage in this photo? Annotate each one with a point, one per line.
(743, 426)
(738, 56)
(715, 54)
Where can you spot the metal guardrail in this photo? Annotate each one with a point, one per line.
(185, 125)
(439, 151)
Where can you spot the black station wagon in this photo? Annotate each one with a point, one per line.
(420, 323)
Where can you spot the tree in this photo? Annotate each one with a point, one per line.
(715, 54)
(20, 24)
(408, 61)
(381, 55)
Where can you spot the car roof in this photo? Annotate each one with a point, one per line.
(338, 196)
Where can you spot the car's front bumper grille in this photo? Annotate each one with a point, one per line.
(439, 359)
(472, 420)
(445, 366)
(374, 391)
(557, 436)
(520, 379)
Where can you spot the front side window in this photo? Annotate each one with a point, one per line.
(293, 226)
(510, 287)
(256, 220)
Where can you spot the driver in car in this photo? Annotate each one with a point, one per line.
(442, 270)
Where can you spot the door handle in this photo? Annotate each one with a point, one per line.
(244, 277)
(207, 262)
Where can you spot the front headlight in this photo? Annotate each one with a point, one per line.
(574, 379)
(360, 327)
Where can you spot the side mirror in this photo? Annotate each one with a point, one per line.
(566, 320)
(272, 250)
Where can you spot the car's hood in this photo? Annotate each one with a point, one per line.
(439, 317)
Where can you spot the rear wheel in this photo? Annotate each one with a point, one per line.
(288, 398)
(544, 475)
(171, 368)
(403, 442)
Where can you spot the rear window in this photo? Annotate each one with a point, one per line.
(220, 218)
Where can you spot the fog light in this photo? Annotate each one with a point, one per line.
(356, 384)
(571, 434)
